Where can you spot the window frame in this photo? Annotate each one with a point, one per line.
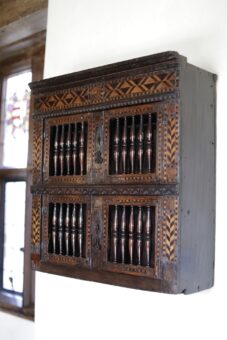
(10, 301)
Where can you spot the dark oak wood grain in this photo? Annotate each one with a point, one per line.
(132, 170)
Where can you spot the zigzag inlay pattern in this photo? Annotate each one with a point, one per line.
(36, 151)
(170, 241)
(109, 91)
(151, 84)
(36, 220)
(171, 141)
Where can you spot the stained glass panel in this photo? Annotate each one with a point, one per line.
(16, 121)
(13, 256)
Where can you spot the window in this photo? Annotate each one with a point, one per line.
(13, 244)
(16, 276)
(13, 181)
(15, 123)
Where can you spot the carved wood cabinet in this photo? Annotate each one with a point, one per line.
(124, 175)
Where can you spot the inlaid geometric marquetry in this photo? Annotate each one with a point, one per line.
(108, 91)
(36, 209)
(170, 225)
(171, 141)
(124, 174)
(140, 85)
(37, 151)
(35, 235)
(170, 237)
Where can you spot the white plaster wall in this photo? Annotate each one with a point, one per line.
(83, 34)
(15, 328)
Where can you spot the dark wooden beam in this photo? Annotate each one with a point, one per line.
(22, 26)
(13, 10)
(22, 48)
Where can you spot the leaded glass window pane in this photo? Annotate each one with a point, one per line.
(16, 120)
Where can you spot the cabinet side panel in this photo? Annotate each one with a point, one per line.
(197, 189)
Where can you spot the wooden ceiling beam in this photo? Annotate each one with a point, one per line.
(22, 25)
(13, 10)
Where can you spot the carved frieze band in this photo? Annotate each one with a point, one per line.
(123, 88)
(154, 190)
(37, 151)
(36, 225)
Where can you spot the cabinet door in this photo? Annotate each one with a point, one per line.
(140, 144)
(137, 144)
(66, 225)
(135, 234)
(67, 149)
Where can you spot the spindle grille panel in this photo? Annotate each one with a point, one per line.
(67, 149)
(134, 140)
(131, 235)
(132, 144)
(117, 148)
(67, 229)
(131, 228)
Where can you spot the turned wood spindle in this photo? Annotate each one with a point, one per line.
(123, 234)
(140, 138)
(80, 231)
(115, 234)
(60, 230)
(75, 144)
(62, 146)
(56, 151)
(132, 146)
(54, 228)
(139, 236)
(68, 151)
(149, 143)
(148, 237)
(131, 235)
(67, 223)
(73, 231)
(124, 145)
(116, 147)
(81, 149)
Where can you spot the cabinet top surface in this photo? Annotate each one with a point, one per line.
(136, 81)
(104, 72)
